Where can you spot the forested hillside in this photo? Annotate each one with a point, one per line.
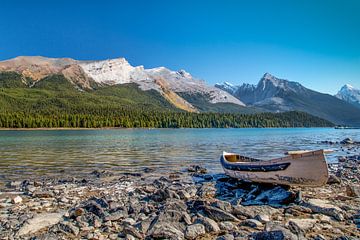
(54, 102)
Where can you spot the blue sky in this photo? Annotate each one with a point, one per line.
(314, 42)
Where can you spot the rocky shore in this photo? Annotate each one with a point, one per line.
(190, 204)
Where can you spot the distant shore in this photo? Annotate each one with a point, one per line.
(118, 128)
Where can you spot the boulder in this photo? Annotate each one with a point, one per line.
(39, 222)
(207, 190)
(195, 230)
(252, 223)
(219, 215)
(323, 207)
(228, 226)
(268, 235)
(210, 225)
(166, 231)
(303, 224)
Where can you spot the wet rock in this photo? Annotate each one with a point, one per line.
(219, 215)
(323, 207)
(210, 225)
(223, 205)
(197, 169)
(207, 190)
(275, 196)
(195, 230)
(16, 200)
(353, 191)
(39, 222)
(347, 141)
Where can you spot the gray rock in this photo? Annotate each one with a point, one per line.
(268, 235)
(133, 231)
(225, 237)
(207, 190)
(323, 207)
(219, 215)
(197, 169)
(210, 225)
(274, 226)
(252, 223)
(167, 231)
(223, 205)
(43, 194)
(263, 218)
(116, 216)
(303, 224)
(227, 226)
(183, 195)
(39, 222)
(69, 228)
(195, 230)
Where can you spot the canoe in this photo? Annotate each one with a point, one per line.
(298, 168)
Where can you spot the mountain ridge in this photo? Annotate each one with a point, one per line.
(90, 74)
(278, 95)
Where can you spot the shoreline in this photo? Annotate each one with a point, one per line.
(121, 128)
(189, 204)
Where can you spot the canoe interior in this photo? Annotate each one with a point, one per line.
(305, 169)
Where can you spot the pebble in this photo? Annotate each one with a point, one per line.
(16, 200)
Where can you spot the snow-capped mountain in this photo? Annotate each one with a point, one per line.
(349, 94)
(85, 74)
(275, 94)
(268, 87)
(226, 86)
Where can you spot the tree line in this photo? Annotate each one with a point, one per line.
(150, 119)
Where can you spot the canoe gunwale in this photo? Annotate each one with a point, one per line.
(248, 167)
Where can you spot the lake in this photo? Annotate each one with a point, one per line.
(39, 153)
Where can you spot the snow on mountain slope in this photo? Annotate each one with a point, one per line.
(182, 81)
(118, 71)
(226, 86)
(349, 94)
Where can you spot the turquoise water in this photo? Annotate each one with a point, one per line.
(39, 153)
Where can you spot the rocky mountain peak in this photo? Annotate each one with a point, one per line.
(349, 94)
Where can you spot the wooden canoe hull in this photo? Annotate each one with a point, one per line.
(307, 169)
